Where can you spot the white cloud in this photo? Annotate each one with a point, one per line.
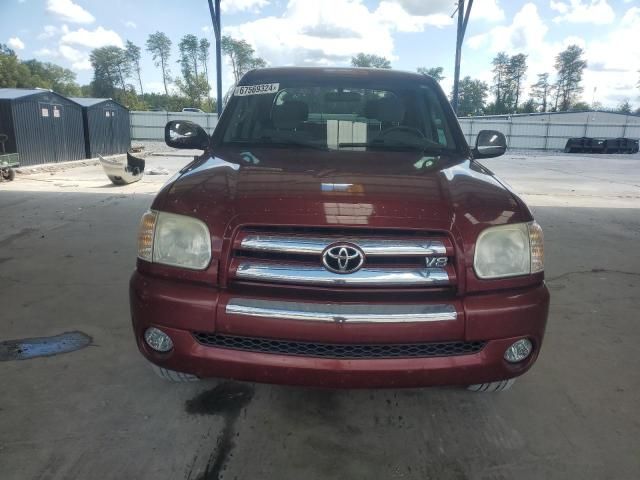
(48, 32)
(482, 9)
(394, 16)
(69, 11)
(607, 53)
(560, 7)
(97, 38)
(243, 6)
(598, 12)
(16, 43)
(330, 32)
(422, 8)
(526, 33)
(79, 59)
(489, 10)
(130, 24)
(47, 52)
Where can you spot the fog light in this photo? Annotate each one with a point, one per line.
(518, 351)
(158, 340)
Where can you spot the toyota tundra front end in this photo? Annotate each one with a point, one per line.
(338, 231)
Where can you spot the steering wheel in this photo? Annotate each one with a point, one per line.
(401, 128)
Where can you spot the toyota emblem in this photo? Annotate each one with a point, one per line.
(342, 258)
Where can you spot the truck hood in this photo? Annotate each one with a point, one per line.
(402, 190)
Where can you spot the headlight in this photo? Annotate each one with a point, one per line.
(175, 240)
(509, 251)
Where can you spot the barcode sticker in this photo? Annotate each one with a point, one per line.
(265, 88)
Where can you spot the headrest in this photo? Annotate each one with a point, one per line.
(387, 109)
(289, 115)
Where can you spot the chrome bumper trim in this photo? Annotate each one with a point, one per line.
(338, 313)
(304, 274)
(316, 245)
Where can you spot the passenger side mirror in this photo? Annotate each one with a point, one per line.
(185, 134)
(490, 143)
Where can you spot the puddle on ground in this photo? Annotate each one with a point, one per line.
(43, 346)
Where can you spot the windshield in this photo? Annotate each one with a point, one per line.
(338, 117)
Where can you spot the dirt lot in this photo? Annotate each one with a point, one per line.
(67, 248)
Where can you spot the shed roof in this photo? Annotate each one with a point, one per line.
(90, 101)
(11, 93)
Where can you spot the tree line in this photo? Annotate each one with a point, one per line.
(114, 66)
(117, 74)
(35, 74)
(509, 84)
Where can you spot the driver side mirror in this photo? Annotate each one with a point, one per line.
(185, 134)
(490, 143)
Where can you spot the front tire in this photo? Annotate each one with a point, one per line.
(173, 376)
(499, 386)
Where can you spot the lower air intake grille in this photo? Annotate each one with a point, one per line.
(338, 350)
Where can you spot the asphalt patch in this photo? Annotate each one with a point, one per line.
(227, 400)
(24, 349)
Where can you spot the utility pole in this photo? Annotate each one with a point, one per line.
(215, 19)
(463, 19)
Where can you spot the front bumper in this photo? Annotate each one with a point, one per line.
(179, 309)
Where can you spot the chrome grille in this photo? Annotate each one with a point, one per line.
(338, 350)
(318, 275)
(396, 260)
(340, 312)
(315, 246)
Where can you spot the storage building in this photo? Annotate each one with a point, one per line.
(107, 128)
(41, 126)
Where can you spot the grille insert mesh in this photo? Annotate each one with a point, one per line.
(338, 350)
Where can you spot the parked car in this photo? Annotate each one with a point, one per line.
(192, 109)
(338, 231)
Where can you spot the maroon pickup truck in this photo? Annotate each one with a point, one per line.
(338, 231)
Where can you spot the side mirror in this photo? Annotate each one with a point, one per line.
(490, 143)
(185, 134)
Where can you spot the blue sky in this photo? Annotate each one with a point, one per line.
(411, 33)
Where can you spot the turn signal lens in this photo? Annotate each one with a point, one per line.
(145, 235)
(536, 245)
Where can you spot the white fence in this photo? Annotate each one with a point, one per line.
(538, 132)
(150, 125)
(544, 132)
